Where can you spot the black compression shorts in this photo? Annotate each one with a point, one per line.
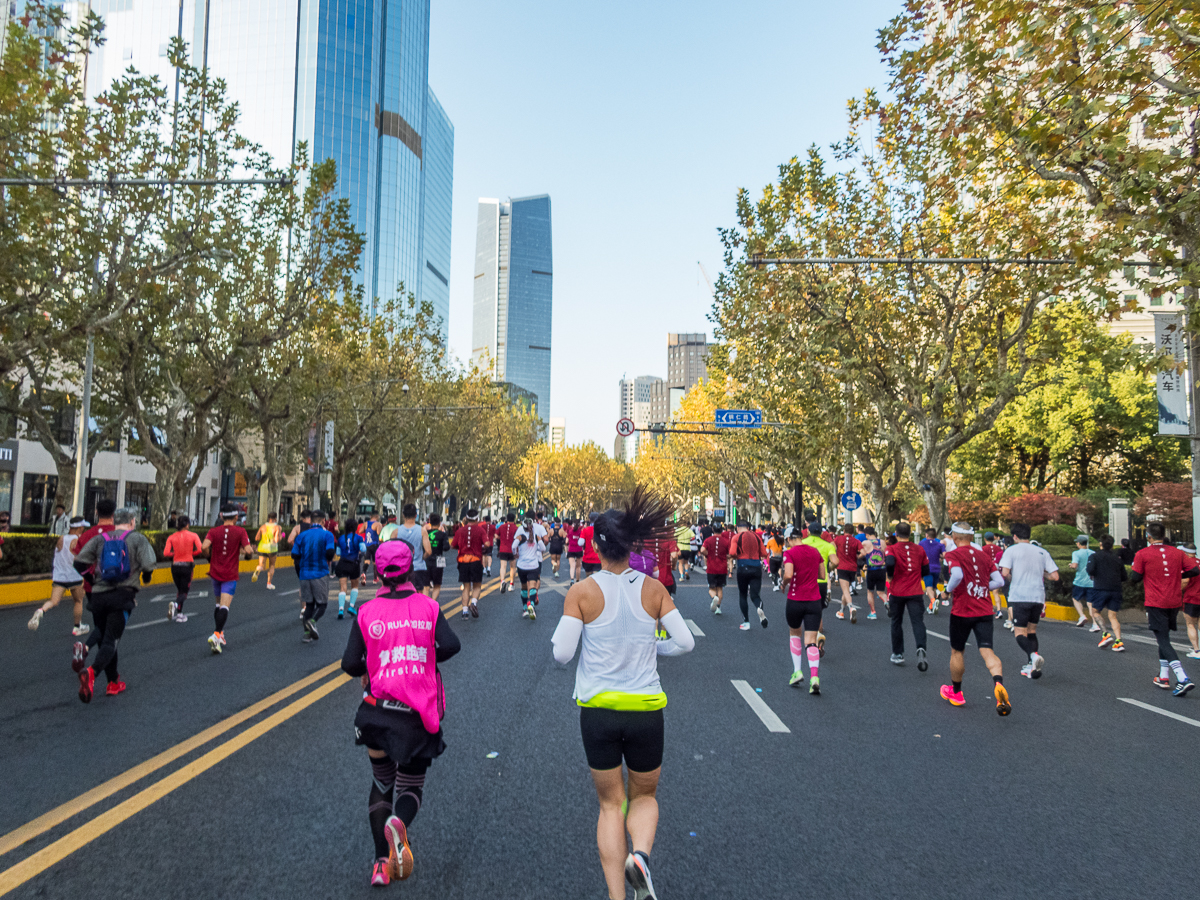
(962, 626)
(876, 579)
(611, 735)
(529, 574)
(717, 580)
(591, 567)
(804, 614)
(1026, 614)
(847, 574)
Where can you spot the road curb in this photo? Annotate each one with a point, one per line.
(23, 593)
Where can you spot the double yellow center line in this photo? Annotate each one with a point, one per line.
(60, 849)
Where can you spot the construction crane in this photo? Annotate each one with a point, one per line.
(706, 278)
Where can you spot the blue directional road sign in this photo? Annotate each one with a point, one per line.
(851, 500)
(738, 418)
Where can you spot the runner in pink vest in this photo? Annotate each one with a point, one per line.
(396, 642)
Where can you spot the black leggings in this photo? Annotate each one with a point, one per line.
(1165, 650)
(916, 615)
(181, 574)
(749, 581)
(110, 617)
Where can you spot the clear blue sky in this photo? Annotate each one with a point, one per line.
(641, 120)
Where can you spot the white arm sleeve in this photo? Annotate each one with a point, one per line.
(681, 641)
(956, 577)
(566, 638)
(997, 581)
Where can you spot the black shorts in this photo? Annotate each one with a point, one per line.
(847, 574)
(370, 552)
(962, 626)
(470, 572)
(347, 568)
(591, 567)
(687, 555)
(611, 735)
(1192, 609)
(717, 581)
(1026, 613)
(556, 548)
(529, 574)
(670, 588)
(1162, 619)
(1102, 600)
(423, 578)
(435, 573)
(68, 584)
(776, 565)
(804, 614)
(876, 579)
(507, 555)
(574, 554)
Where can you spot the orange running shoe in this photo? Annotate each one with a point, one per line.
(1003, 706)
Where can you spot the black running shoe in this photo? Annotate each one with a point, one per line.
(922, 662)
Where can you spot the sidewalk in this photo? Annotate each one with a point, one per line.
(37, 590)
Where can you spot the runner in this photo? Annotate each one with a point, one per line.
(505, 532)
(528, 543)
(874, 558)
(907, 566)
(65, 579)
(488, 545)
(468, 541)
(268, 537)
(1165, 571)
(828, 553)
(396, 641)
(746, 554)
(804, 578)
(105, 509)
(995, 549)
(370, 536)
(1026, 566)
(934, 549)
(351, 550)
(775, 547)
(388, 531)
(1082, 587)
(848, 547)
(591, 560)
(225, 545)
(1191, 606)
(666, 553)
(414, 535)
(715, 554)
(972, 577)
(1108, 577)
(683, 540)
(312, 552)
(558, 542)
(303, 522)
(181, 549)
(617, 686)
(120, 559)
(436, 542)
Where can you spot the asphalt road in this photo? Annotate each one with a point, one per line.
(878, 788)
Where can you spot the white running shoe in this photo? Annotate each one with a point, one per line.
(525, 612)
(637, 873)
(1008, 624)
(1094, 628)
(180, 618)
(1038, 661)
(713, 607)
(745, 626)
(717, 611)
(36, 619)
(215, 642)
(171, 610)
(1027, 670)
(270, 587)
(1193, 654)
(80, 630)
(762, 617)
(1082, 621)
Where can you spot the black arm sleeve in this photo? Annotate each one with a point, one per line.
(1135, 577)
(443, 636)
(891, 566)
(925, 570)
(329, 555)
(354, 660)
(1192, 572)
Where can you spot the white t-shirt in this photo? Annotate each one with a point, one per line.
(529, 553)
(1028, 564)
(64, 571)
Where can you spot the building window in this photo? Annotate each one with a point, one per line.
(37, 498)
(1156, 301)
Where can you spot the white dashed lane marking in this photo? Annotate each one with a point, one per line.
(764, 712)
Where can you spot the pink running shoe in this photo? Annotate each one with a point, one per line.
(379, 874)
(400, 858)
(950, 694)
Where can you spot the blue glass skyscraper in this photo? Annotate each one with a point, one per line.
(514, 293)
(350, 78)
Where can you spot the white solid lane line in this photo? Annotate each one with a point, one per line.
(146, 624)
(1161, 712)
(936, 635)
(694, 628)
(764, 712)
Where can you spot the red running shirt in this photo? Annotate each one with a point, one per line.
(227, 542)
(716, 551)
(806, 569)
(1163, 569)
(972, 597)
(505, 532)
(847, 548)
(906, 577)
(589, 552)
(662, 550)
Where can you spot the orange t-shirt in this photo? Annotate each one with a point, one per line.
(182, 547)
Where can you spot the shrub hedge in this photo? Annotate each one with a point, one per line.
(33, 554)
(1055, 534)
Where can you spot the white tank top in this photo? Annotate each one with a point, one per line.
(64, 569)
(620, 650)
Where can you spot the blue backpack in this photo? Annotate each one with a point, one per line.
(114, 558)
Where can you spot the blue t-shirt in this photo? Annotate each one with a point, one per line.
(309, 551)
(1080, 558)
(933, 552)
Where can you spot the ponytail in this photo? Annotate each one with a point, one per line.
(618, 531)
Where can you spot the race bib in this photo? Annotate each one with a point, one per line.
(441, 563)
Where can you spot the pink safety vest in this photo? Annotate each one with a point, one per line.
(401, 655)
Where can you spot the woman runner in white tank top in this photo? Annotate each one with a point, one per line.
(617, 686)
